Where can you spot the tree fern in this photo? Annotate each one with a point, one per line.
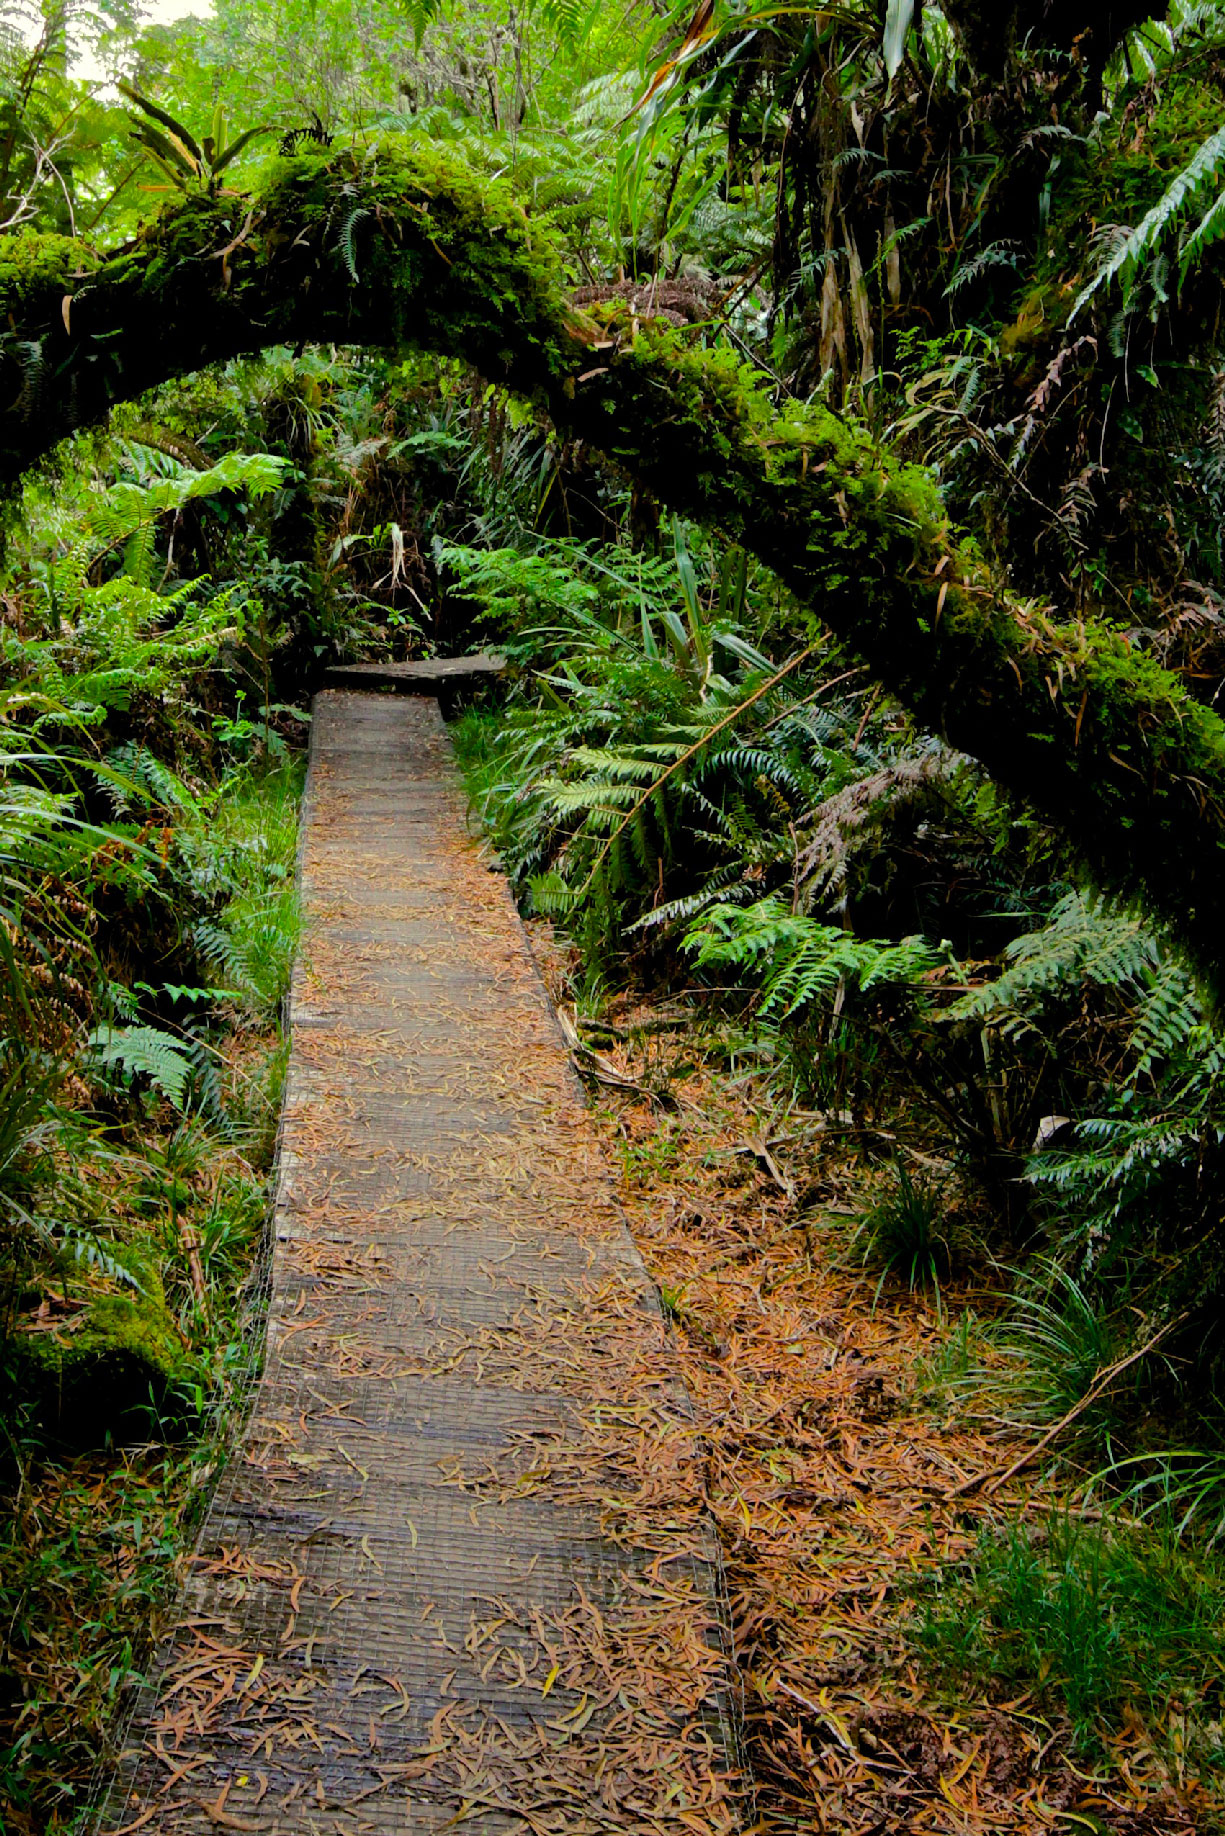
(112, 518)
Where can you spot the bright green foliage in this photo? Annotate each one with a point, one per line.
(515, 589)
(1102, 740)
(111, 1027)
(645, 775)
(1187, 193)
(1083, 940)
(1142, 1158)
(253, 946)
(1097, 1616)
(125, 634)
(801, 963)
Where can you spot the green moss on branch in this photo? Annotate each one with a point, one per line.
(405, 246)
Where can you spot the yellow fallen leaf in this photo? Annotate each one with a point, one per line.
(360, 1470)
(550, 1680)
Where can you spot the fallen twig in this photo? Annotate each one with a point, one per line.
(993, 1482)
(689, 752)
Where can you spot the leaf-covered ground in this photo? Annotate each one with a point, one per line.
(854, 1488)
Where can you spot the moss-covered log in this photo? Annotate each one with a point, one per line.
(119, 1373)
(404, 246)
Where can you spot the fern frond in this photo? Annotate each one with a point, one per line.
(346, 239)
(88, 1252)
(587, 798)
(1083, 940)
(144, 1051)
(852, 820)
(799, 961)
(1202, 170)
(717, 891)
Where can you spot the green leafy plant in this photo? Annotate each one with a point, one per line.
(253, 946)
(902, 1233)
(28, 1128)
(124, 633)
(144, 1051)
(1047, 1352)
(1180, 1490)
(1092, 1615)
(798, 961)
(187, 162)
(1190, 212)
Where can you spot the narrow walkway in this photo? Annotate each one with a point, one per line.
(459, 1575)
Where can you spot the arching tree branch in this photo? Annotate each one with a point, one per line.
(405, 246)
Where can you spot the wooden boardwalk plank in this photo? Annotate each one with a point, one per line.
(459, 1575)
(442, 676)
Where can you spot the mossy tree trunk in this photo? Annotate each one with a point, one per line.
(994, 32)
(407, 247)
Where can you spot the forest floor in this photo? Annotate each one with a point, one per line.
(850, 1488)
(853, 1488)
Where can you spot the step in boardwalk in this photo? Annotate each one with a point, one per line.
(445, 678)
(458, 1576)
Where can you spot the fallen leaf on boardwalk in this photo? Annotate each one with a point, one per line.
(226, 1821)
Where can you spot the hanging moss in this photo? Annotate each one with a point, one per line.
(403, 245)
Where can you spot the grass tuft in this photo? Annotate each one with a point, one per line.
(902, 1233)
(1099, 1618)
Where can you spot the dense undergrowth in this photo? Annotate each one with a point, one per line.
(148, 914)
(966, 1111)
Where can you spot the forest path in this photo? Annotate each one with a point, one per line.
(459, 1573)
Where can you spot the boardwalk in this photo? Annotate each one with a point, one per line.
(459, 1575)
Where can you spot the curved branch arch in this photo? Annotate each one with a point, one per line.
(404, 246)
